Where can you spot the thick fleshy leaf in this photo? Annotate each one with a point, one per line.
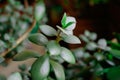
(39, 11)
(48, 30)
(71, 39)
(53, 48)
(40, 69)
(26, 55)
(113, 73)
(115, 53)
(63, 21)
(67, 55)
(15, 76)
(58, 69)
(38, 39)
(72, 20)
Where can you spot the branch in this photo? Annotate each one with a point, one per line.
(20, 39)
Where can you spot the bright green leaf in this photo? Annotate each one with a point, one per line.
(26, 55)
(71, 39)
(67, 55)
(53, 48)
(68, 24)
(38, 39)
(48, 30)
(15, 76)
(58, 69)
(40, 69)
(63, 21)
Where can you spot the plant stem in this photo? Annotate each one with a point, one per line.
(58, 36)
(20, 39)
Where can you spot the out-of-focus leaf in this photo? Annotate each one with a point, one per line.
(71, 39)
(48, 30)
(93, 36)
(15, 76)
(87, 33)
(113, 73)
(99, 56)
(26, 55)
(2, 77)
(38, 39)
(40, 68)
(39, 11)
(91, 46)
(117, 35)
(67, 55)
(114, 45)
(115, 53)
(84, 38)
(102, 43)
(54, 48)
(1, 59)
(58, 69)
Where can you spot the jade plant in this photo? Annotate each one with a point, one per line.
(55, 53)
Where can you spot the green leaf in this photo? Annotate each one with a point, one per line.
(39, 11)
(115, 53)
(67, 55)
(71, 39)
(68, 24)
(63, 21)
(26, 55)
(48, 30)
(53, 48)
(113, 73)
(15, 76)
(114, 45)
(58, 69)
(70, 20)
(1, 59)
(40, 68)
(38, 39)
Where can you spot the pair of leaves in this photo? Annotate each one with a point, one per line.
(55, 49)
(68, 22)
(41, 68)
